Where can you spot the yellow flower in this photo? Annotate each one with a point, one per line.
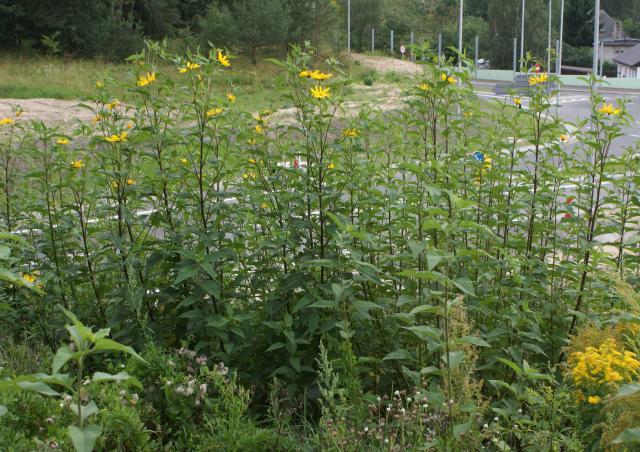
(319, 92)
(18, 112)
(487, 163)
(113, 104)
(5, 121)
(350, 133)
(130, 125)
(223, 59)
(184, 161)
(424, 86)
(99, 84)
(450, 79)
(609, 109)
(594, 400)
(564, 137)
(63, 141)
(249, 175)
(231, 97)
(320, 76)
(304, 74)
(213, 112)
(96, 119)
(77, 164)
(252, 141)
(517, 101)
(131, 182)
(29, 278)
(264, 205)
(147, 79)
(252, 161)
(259, 129)
(189, 67)
(331, 166)
(121, 138)
(538, 78)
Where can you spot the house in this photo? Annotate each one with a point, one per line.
(628, 63)
(609, 27)
(613, 38)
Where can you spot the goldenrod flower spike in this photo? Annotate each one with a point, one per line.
(320, 92)
(223, 59)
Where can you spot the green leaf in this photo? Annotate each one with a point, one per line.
(398, 354)
(474, 340)
(465, 285)
(324, 304)
(455, 358)
(3, 410)
(63, 355)
(433, 260)
(87, 410)
(628, 389)
(630, 435)
(424, 332)
(84, 440)
(119, 377)
(37, 386)
(109, 345)
(511, 364)
(459, 429)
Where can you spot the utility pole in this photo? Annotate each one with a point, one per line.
(596, 36)
(475, 60)
(549, 39)
(601, 58)
(439, 47)
(561, 31)
(349, 26)
(460, 35)
(391, 46)
(373, 40)
(411, 47)
(515, 57)
(522, 34)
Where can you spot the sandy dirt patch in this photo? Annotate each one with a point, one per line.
(51, 111)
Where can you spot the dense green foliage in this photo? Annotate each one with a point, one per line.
(346, 280)
(115, 28)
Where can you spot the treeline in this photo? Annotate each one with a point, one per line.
(115, 28)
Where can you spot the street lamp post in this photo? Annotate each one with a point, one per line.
(522, 34)
(549, 39)
(460, 35)
(596, 36)
(561, 31)
(349, 26)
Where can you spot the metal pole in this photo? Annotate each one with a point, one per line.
(601, 58)
(373, 40)
(349, 26)
(515, 57)
(391, 46)
(558, 47)
(460, 35)
(549, 39)
(411, 47)
(522, 35)
(596, 36)
(439, 47)
(559, 63)
(476, 56)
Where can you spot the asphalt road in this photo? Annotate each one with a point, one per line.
(575, 105)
